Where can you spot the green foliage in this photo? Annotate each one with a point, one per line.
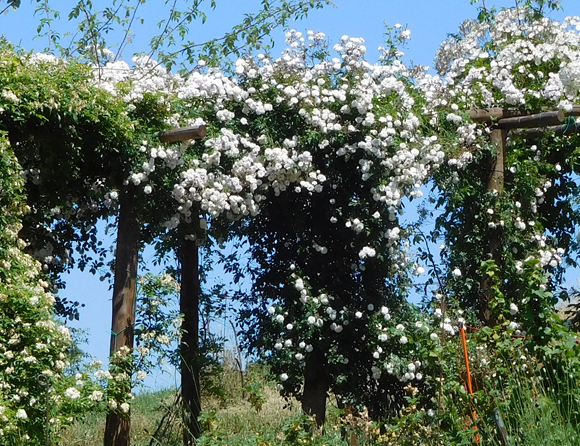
(34, 347)
(173, 45)
(536, 410)
(59, 121)
(157, 323)
(539, 8)
(255, 395)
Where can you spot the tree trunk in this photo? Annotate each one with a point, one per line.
(316, 385)
(190, 363)
(118, 427)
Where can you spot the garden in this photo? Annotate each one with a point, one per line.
(398, 243)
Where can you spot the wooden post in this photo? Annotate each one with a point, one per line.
(183, 134)
(495, 182)
(530, 125)
(190, 362)
(118, 427)
(188, 255)
(496, 176)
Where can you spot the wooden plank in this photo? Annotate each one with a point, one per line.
(183, 134)
(537, 120)
(559, 130)
(575, 111)
(188, 255)
(487, 114)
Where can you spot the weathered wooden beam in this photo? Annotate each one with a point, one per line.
(575, 111)
(537, 120)
(487, 114)
(496, 176)
(183, 134)
(559, 130)
(495, 183)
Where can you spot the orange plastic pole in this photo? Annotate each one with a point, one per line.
(469, 386)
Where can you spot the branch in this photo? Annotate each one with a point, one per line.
(127, 31)
(251, 21)
(159, 37)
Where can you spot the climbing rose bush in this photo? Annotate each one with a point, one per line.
(289, 129)
(34, 346)
(344, 143)
(523, 61)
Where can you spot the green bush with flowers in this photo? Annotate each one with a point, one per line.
(315, 154)
(34, 345)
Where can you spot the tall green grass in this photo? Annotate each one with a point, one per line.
(537, 409)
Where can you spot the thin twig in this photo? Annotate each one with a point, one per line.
(127, 31)
(160, 36)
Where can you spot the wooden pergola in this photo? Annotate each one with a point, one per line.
(530, 126)
(124, 299)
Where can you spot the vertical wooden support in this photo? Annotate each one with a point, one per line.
(495, 182)
(531, 126)
(496, 177)
(188, 255)
(189, 348)
(118, 427)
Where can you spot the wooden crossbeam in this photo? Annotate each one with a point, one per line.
(487, 114)
(512, 118)
(559, 130)
(529, 121)
(183, 134)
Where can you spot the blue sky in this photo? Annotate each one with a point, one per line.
(430, 21)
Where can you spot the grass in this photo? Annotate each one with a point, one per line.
(229, 417)
(536, 412)
(539, 411)
(147, 411)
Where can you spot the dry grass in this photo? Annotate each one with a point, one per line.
(231, 415)
(240, 419)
